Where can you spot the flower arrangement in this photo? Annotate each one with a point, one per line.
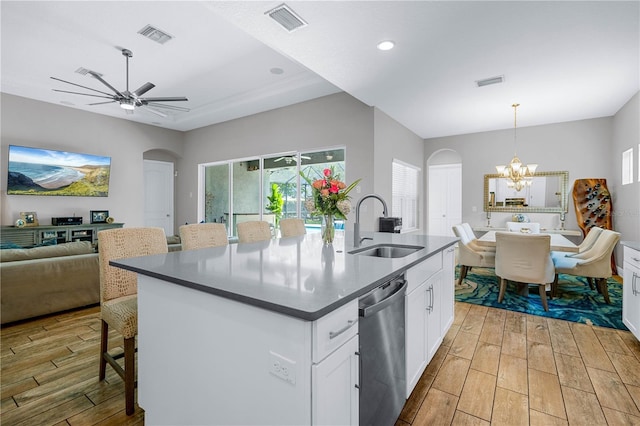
(330, 200)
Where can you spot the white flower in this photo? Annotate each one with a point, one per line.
(310, 205)
(344, 206)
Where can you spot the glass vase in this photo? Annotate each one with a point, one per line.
(327, 229)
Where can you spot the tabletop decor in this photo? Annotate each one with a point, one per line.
(330, 201)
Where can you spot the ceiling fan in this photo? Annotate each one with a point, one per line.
(128, 101)
(291, 158)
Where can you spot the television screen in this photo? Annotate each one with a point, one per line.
(35, 171)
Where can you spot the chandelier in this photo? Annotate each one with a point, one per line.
(518, 174)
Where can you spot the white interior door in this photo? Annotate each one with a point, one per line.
(158, 195)
(445, 198)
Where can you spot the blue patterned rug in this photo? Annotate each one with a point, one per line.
(575, 302)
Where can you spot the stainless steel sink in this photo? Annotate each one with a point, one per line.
(387, 250)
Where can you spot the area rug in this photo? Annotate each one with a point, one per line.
(575, 301)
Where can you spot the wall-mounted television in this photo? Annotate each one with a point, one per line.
(36, 171)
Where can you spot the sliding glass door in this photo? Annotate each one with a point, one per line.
(265, 188)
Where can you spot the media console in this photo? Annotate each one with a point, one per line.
(34, 235)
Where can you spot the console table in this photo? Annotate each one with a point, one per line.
(33, 235)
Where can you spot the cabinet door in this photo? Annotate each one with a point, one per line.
(335, 395)
(416, 335)
(631, 291)
(448, 289)
(433, 308)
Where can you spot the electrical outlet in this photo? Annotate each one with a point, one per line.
(282, 367)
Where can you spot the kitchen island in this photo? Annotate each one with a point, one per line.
(267, 333)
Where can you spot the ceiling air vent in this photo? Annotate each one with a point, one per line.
(489, 81)
(286, 17)
(155, 34)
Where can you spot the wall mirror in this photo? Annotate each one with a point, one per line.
(546, 194)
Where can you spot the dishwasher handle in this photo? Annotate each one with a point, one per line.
(370, 310)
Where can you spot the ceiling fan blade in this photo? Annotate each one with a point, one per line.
(144, 89)
(79, 85)
(102, 103)
(85, 94)
(101, 80)
(156, 112)
(171, 107)
(171, 99)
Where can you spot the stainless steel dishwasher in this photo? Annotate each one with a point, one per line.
(382, 353)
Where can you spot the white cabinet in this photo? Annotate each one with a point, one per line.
(429, 305)
(448, 289)
(335, 371)
(631, 291)
(422, 316)
(335, 394)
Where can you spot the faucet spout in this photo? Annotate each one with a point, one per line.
(356, 226)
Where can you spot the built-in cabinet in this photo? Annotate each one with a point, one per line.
(428, 311)
(34, 235)
(631, 290)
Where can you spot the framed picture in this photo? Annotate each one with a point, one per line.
(29, 218)
(99, 216)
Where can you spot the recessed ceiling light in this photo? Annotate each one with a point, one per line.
(276, 70)
(386, 45)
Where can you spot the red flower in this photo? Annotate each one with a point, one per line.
(334, 187)
(327, 172)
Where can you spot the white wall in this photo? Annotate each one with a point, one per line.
(626, 199)
(394, 141)
(335, 120)
(583, 148)
(43, 125)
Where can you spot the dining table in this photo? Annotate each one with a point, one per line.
(558, 242)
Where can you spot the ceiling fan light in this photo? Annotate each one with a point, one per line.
(128, 105)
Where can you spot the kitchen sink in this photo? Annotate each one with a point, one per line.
(386, 250)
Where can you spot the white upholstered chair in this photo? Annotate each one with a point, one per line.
(524, 227)
(253, 231)
(118, 297)
(201, 235)
(585, 245)
(594, 263)
(470, 254)
(525, 259)
(292, 227)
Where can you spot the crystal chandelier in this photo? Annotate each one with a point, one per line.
(518, 174)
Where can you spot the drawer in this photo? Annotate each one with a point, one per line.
(423, 271)
(632, 257)
(334, 329)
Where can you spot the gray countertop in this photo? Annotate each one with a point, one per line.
(296, 276)
(632, 244)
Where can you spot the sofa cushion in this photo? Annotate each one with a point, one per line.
(66, 249)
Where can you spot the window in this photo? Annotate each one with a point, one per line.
(627, 167)
(404, 194)
(263, 188)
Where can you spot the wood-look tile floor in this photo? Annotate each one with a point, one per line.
(494, 367)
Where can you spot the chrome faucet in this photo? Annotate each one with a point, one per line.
(356, 226)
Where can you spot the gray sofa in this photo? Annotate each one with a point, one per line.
(43, 280)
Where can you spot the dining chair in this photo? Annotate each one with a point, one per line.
(118, 297)
(594, 264)
(524, 227)
(253, 231)
(525, 259)
(292, 227)
(470, 255)
(585, 245)
(200, 235)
